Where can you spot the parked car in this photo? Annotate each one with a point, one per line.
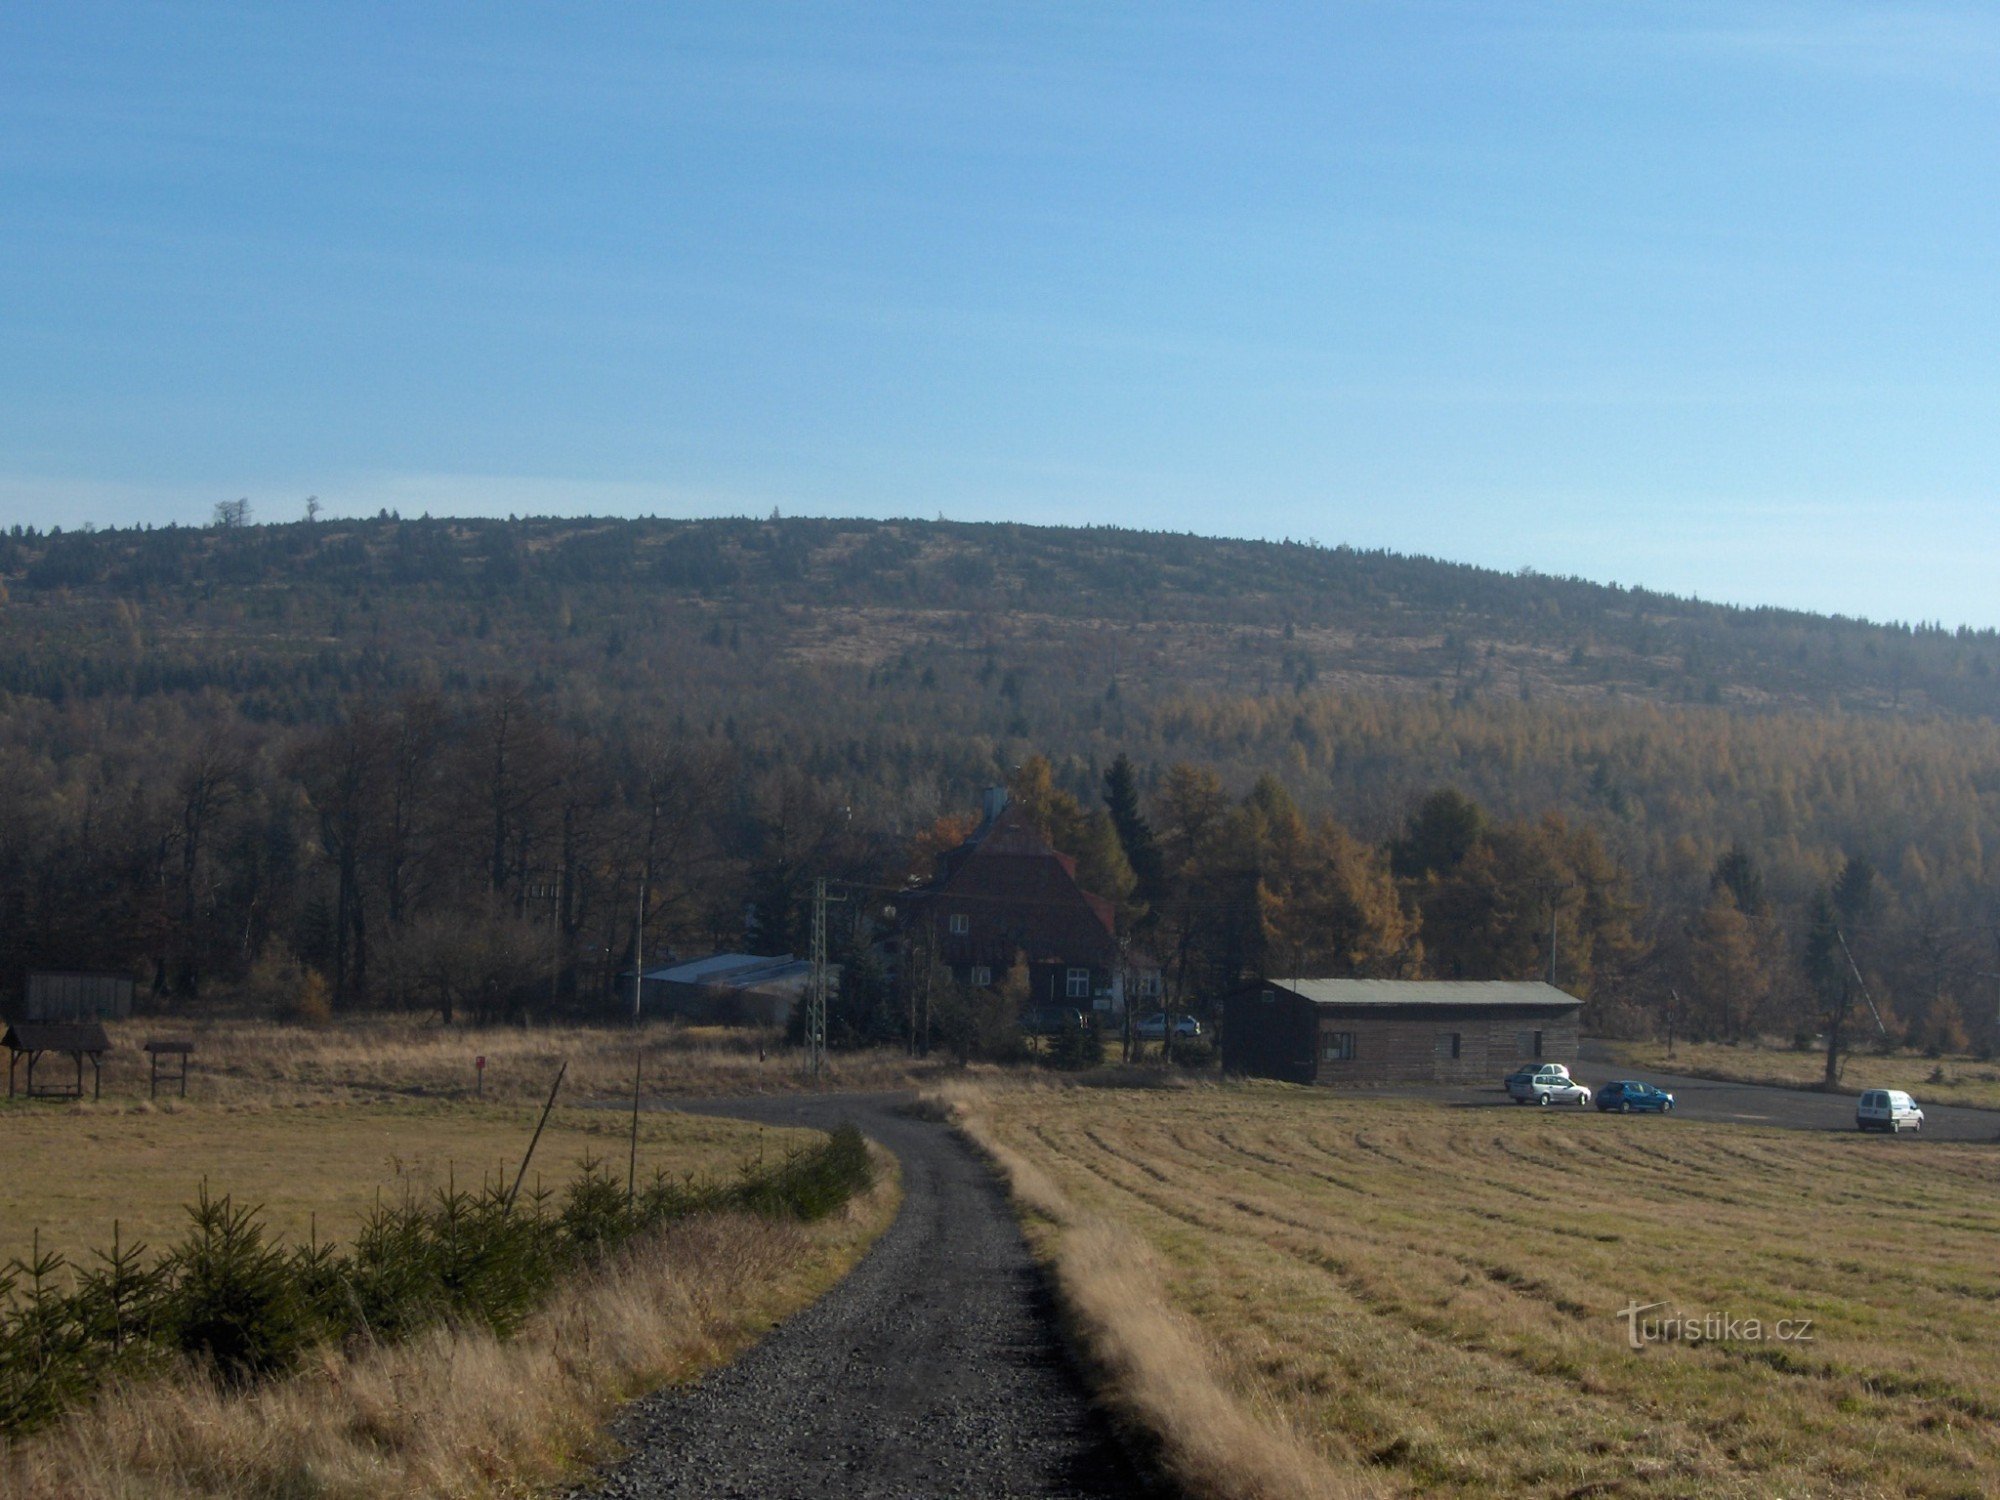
(1546, 1083)
(1887, 1109)
(1627, 1096)
(1521, 1079)
(1153, 1028)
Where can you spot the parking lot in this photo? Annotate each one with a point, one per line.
(1737, 1103)
(1793, 1109)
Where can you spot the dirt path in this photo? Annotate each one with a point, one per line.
(933, 1370)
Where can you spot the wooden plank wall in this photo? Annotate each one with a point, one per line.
(1412, 1045)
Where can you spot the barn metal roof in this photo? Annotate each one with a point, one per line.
(1426, 991)
(716, 967)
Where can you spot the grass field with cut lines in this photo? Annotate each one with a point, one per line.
(1430, 1294)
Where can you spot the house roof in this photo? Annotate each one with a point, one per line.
(56, 1036)
(1510, 992)
(1023, 894)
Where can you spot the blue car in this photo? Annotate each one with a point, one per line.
(1628, 1096)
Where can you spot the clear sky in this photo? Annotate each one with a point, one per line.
(1704, 297)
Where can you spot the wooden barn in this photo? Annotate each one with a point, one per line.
(1396, 1030)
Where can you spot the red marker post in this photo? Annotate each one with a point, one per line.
(479, 1074)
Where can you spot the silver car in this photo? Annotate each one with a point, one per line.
(1545, 1084)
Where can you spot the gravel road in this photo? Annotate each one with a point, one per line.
(933, 1370)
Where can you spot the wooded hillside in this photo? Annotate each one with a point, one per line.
(237, 753)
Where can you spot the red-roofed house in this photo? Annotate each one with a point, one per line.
(1006, 892)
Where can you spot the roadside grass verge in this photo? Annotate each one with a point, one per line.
(1937, 1080)
(1412, 1299)
(457, 1410)
(1149, 1365)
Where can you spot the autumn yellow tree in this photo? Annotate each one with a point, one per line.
(1334, 910)
(938, 837)
(1088, 837)
(1729, 977)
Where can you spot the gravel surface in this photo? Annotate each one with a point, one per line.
(933, 1370)
(1797, 1109)
(1728, 1103)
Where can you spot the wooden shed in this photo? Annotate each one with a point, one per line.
(32, 1041)
(1396, 1030)
(78, 995)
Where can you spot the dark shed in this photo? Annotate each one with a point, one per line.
(78, 1039)
(81, 995)
(1395, 1030)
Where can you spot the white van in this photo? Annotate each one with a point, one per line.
(1888, 1109)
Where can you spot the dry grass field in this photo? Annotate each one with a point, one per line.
(1406, 1299)
(1935, 1080)
(457, 1412)
(377, 1058)
(314, 1166)
(313, 1124)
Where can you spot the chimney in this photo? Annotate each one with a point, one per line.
(996, 802)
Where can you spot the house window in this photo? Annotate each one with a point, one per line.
(1149, 983)
(1448, 1044)
(1337, 1046)
(1538, 1044)
(960, 924)
(1076, 984)
(981, 976)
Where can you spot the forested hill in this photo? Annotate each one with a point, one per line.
(292, 617)
(370, 750)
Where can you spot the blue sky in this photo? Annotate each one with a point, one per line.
(1699, 297)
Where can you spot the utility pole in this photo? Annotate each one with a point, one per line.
(816, 985)
(1128, 997)
(639, 952)
(920, 989)
(551, 891)
(1553, 891)
(916, 959)
(1996, 1004)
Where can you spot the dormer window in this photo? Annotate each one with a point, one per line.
(961, 924)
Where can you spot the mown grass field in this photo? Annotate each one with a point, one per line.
(74, 1171)
(1429, 1295)
(1935, 1080)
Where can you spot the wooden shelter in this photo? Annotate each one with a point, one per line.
(77, 1039)
(1395, 1030)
